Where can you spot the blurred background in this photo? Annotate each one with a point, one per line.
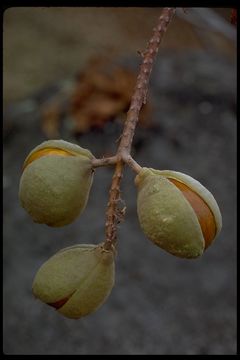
(69, 73)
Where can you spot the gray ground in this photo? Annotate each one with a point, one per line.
(160, 304)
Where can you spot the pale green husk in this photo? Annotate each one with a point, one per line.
(197, 187)
(54, 189)
(166, 217)
(84, 274)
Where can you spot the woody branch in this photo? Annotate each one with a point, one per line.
(123, 154)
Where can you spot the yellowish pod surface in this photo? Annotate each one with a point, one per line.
(176, 212)
(77, 280)
(56, 181)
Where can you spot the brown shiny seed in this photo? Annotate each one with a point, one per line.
(44, 152)
(204, 214)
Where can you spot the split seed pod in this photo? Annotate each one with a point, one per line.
(176, 212)
(76, 280)
(55, 183)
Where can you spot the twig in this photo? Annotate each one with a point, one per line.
(104, 161)
(124, 149)
(140, 91)
(112, 209)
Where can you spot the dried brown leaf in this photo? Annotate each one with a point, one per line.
(101, 92)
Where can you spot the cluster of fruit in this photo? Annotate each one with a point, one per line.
(175, 212)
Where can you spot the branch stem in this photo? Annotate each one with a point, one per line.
(112, 208)
(104, 161)
(124, 149)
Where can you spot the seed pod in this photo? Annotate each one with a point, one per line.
(176, 212)
(55, 183)
(76, 280)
